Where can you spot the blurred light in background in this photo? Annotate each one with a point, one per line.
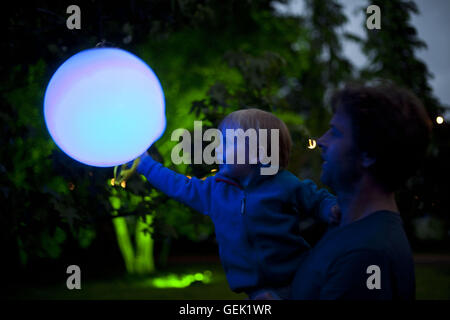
(311, 143)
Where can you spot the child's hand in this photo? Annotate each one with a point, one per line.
(128, 169)
(335, 215)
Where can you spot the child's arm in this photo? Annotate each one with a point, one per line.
(193, 192)
(319, 202)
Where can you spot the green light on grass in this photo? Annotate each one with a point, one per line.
(183, 281)
(198, 277)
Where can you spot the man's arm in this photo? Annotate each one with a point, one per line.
(358, 275)
(193, 192)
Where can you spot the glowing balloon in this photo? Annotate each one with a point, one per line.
(104, 107)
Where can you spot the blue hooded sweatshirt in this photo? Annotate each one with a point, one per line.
(257, 227)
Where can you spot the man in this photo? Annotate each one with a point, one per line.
(377, 138)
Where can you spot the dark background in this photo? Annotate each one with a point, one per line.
(212, 57)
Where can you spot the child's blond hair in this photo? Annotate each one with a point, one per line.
(258, 119)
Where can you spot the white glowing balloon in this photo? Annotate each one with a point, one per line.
(104, 107)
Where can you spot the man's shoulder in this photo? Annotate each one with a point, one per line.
(379, 231)
(381, 235)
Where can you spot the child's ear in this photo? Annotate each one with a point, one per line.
(367, 160)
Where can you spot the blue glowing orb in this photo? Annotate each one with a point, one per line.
(104, 107)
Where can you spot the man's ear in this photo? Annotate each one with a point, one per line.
(366, 160)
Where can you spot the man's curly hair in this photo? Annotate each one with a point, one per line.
(390, 124)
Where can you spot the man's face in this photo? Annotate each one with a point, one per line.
(341, 167)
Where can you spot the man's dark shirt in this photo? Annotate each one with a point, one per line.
(336, 268)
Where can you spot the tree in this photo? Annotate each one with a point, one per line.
(212, 57)
(392, 55)
(65, 198)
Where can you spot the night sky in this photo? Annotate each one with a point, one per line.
(432, 24)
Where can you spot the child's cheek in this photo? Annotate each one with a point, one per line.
(219, 153)
(225, 154)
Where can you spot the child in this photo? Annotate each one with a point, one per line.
(256, 217)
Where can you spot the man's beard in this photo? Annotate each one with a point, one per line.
(341, 178)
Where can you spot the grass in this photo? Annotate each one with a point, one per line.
(432, 282)
(137, 288)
